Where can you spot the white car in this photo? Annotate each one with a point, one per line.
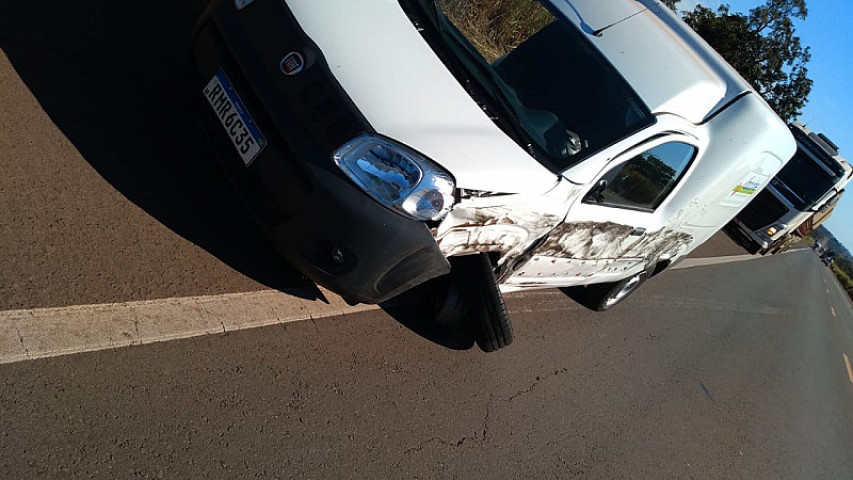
(463, 148)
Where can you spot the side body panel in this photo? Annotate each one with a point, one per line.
(744, 146)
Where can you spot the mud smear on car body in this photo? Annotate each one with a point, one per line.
(582, 250)
(601, 240)
(508, 225)
(504, 230)
(520, 228)
(518, 240)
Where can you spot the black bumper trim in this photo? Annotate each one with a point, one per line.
(318, 219)
(733, 230)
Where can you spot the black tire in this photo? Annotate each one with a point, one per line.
(447, 304)
(489, 320)
(436, 310)
(440, 301)
(604, 296)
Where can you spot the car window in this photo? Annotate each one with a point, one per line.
(643, 182)
(536, 75)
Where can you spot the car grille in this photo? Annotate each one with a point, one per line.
(762, 211)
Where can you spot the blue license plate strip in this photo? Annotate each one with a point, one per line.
(235, 119)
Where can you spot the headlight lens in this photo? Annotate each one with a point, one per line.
(775, 229)
(397, 177)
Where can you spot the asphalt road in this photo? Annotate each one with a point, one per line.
(109, 195)
(108, 192)
(727, 371)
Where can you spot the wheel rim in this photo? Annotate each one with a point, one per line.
(626, 290)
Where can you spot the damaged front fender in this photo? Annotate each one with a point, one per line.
(507, 225)
(537, 246)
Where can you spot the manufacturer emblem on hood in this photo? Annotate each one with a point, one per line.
(292, 63)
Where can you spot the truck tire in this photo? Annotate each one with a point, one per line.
(487, 314)
(604, 296)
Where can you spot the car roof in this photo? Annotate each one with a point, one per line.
(669, 66)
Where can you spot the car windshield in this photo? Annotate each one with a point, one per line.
(535, 74)
(804, 181)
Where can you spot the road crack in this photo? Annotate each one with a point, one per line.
(486, 419)
(480, 437)
(21, 339)
(135, 322)
(438, 440)
(539, 379)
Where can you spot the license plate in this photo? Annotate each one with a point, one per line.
(234, 117)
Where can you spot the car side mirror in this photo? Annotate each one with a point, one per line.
(596, 195)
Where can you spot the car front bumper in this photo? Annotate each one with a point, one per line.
(744, 237)
(318, 219)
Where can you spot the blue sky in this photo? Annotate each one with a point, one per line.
(830, 109)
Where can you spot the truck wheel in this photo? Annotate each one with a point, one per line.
(604, 296)
(487, 311)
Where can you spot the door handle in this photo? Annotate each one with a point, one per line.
(638, 231)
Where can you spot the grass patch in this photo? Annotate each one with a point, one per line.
(496, 27)
(843, 278)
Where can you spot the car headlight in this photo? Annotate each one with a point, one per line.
(397, 177)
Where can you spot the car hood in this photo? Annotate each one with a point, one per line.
(596, 15)
(406, 93)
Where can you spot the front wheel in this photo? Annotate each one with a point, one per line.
(487, 313)
(604, 296)
(493, 328)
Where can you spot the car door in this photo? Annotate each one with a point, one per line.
(621, 224)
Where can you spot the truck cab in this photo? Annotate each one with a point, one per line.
(798, 198)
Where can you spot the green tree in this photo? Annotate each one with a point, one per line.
(670, 3)
(763, 47)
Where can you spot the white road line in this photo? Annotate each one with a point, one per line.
(45, 332)
(849, 368)
(707, 261)
(703, 262)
